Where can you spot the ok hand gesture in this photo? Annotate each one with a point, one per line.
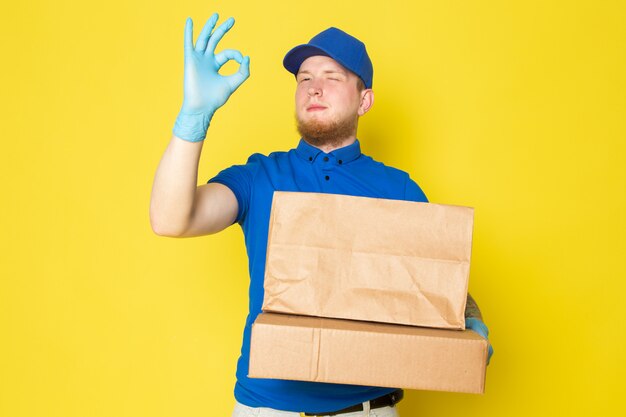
(204, 88)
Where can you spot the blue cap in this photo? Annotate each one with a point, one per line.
(337, 44)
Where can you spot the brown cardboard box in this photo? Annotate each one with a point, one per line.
(368, 259)
(351, 352)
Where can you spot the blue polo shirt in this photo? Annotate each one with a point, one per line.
(306, 169)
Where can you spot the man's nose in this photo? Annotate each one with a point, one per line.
(315, 89)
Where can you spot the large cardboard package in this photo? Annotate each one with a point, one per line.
(368, 259)
(351, 352)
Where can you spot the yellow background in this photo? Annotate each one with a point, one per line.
(514, 108)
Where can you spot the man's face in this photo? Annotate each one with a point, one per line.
(328, 102)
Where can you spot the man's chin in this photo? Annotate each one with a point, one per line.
(321, 133)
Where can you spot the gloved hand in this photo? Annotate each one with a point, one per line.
(479, 327)
(205, 89)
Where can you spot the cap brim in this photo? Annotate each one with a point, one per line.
(296, 56)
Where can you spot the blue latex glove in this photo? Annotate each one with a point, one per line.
(205, 89)
(479, 327)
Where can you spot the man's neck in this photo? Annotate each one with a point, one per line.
(331, 147)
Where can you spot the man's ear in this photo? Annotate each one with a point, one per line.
(367, 101)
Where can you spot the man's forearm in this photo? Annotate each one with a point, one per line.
(174, 187)
(471, 308)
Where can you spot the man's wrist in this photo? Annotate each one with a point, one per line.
(192, 127)
(477, 325)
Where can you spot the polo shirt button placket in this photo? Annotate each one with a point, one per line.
(326, 167)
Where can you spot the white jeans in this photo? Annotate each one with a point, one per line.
(245, 411)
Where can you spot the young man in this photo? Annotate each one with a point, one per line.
(334, 88)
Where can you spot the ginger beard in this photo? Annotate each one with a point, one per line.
(322, 133)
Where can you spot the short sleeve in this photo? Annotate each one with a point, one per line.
(240, 178)
(413, 192)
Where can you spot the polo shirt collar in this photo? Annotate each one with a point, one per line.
(346, 154)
